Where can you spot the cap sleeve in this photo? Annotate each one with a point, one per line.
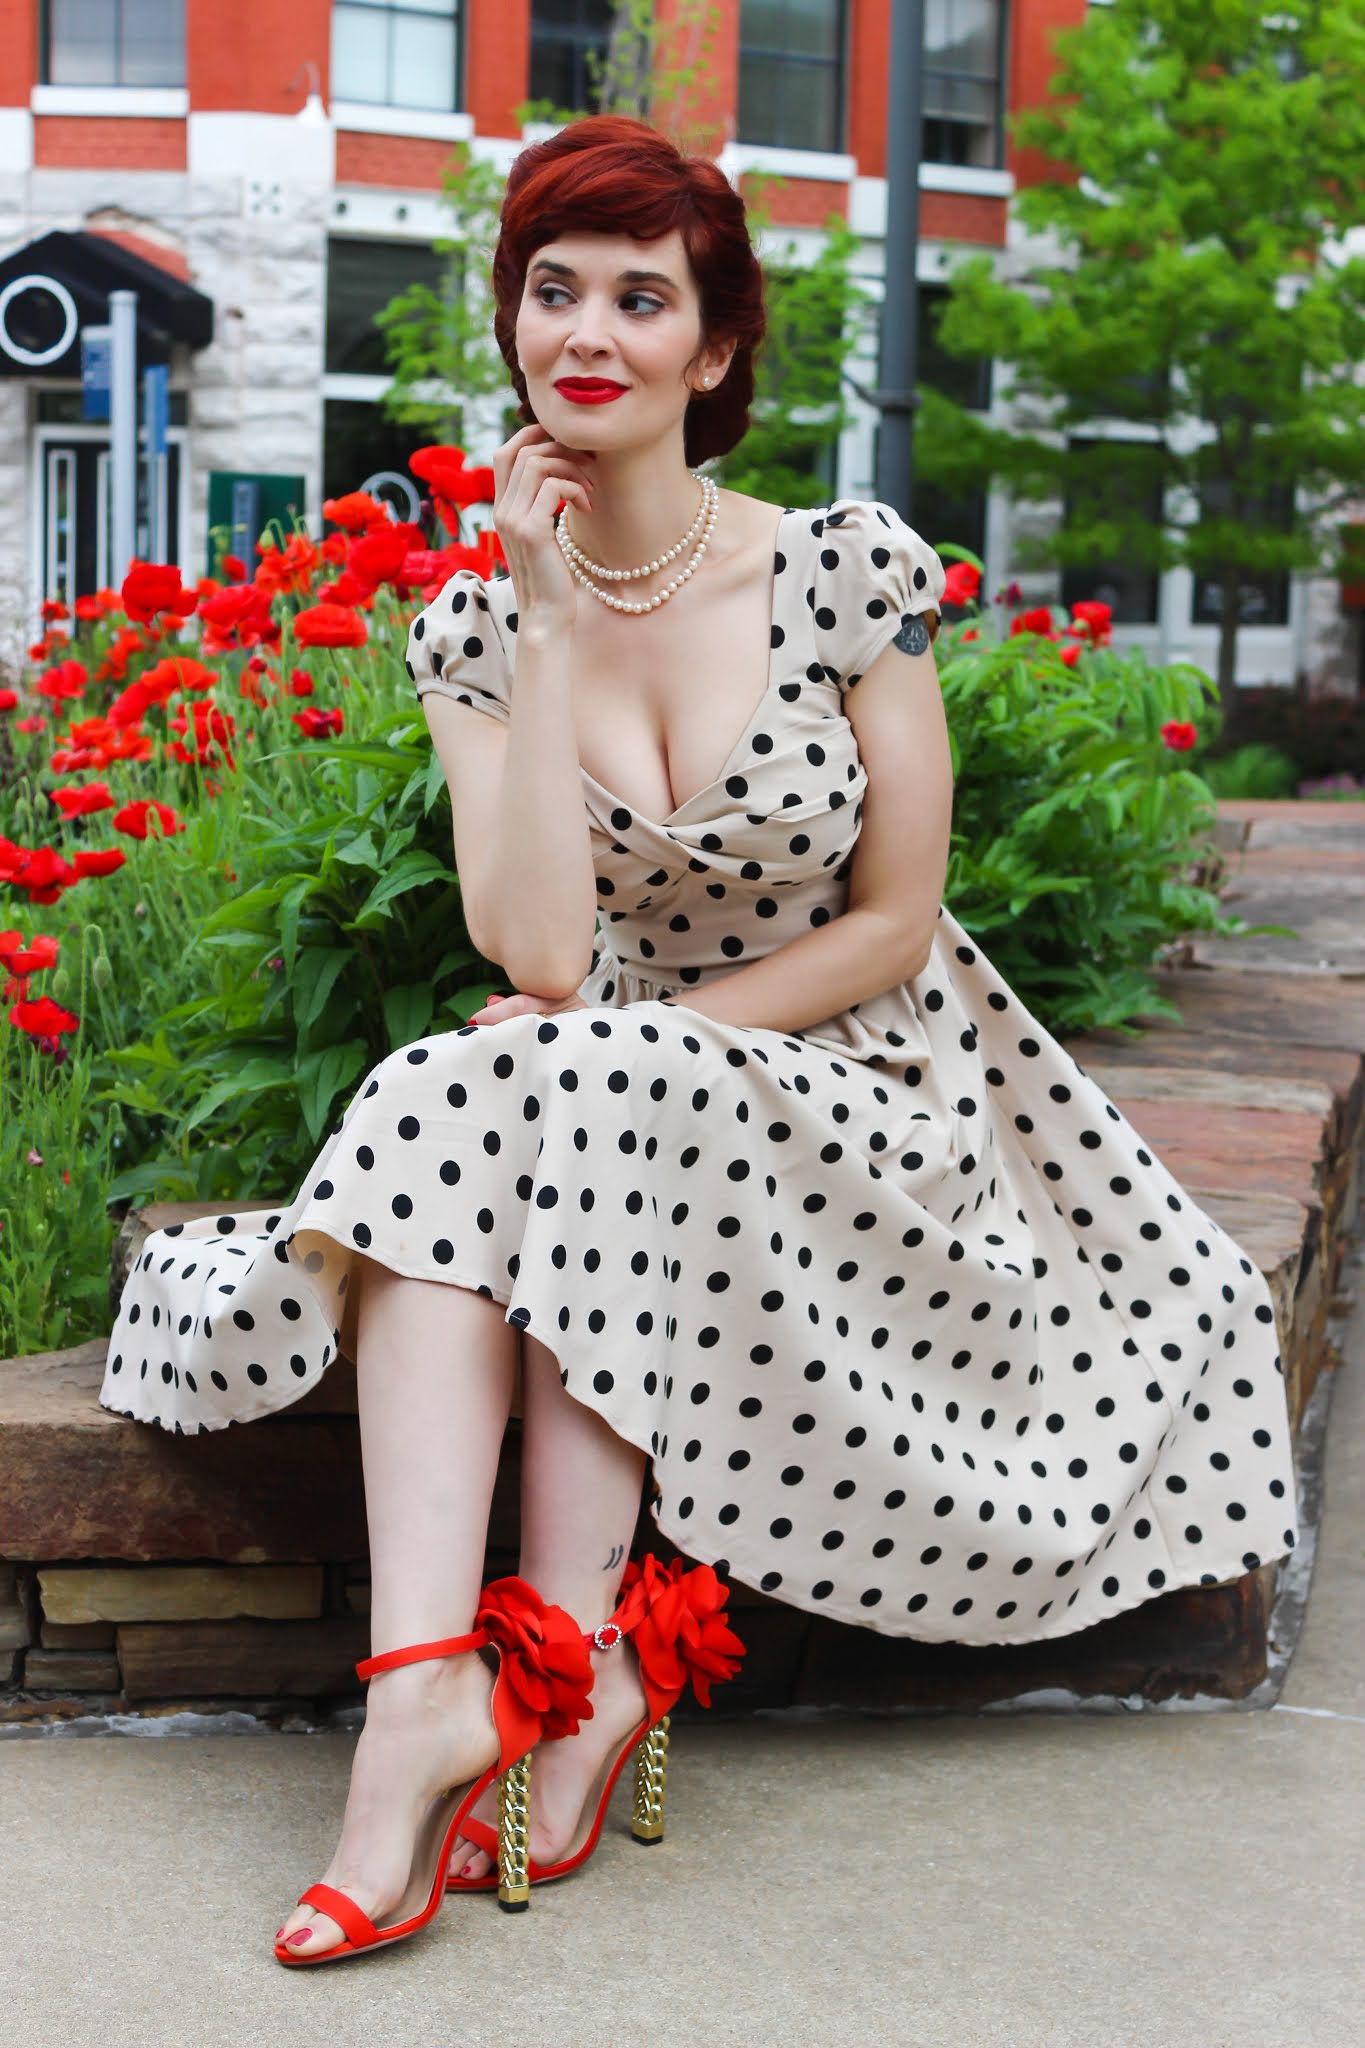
(456, 646)
(873, 571)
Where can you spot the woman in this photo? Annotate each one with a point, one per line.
(781, 1192)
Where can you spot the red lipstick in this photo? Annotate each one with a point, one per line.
(589, 390)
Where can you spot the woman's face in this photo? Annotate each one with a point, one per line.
(581, 317)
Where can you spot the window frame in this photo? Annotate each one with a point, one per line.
(841, 64)
(45, 78)
(931, 70)
(389, 10)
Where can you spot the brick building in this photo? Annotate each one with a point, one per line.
(266, 178)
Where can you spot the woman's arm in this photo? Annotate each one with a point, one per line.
(538, 889)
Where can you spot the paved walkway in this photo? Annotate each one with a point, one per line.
(1182, 1876)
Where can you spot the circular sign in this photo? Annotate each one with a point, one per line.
(396, 481)
(34, 358)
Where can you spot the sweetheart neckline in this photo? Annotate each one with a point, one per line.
(661, 824)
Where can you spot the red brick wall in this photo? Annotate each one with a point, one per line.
(19, 42)
(962, 217)
(246, 56)
(497, 63)
(408, 161)
(1032, 62)
(77, 142)
(869, 45)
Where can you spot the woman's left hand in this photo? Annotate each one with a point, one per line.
(521, 1005)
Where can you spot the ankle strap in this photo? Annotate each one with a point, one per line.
(417, 1653)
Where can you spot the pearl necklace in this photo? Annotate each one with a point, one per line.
(583, 569)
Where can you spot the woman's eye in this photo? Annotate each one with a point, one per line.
(647, 298)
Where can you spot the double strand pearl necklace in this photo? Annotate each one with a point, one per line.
(583, 569)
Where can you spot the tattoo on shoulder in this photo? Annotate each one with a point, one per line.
(913, 637)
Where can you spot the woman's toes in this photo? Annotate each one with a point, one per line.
(467, 1861)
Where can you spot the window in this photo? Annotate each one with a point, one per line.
(359, 439)
(1264, 592)
(1122, 485)
(362, 276)
(114, 42)
(964, 379)
(360, 442)
(397, 53)
(792, 73)
(964, 71)
(940, 517)
(563, 35)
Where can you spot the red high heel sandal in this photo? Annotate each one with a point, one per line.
(676, 1618)
(541, 1692)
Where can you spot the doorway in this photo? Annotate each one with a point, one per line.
(71, 509)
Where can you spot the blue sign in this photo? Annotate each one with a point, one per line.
(97, 347)
(156, 405)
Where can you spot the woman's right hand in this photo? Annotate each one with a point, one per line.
(532, 474)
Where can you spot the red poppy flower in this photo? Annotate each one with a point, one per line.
(238, 617)
(288, 569)
(329, 625)
(1093, 618)
(357, 511)
(133, 818)
(547, 1673)
(83, 801)
(44, 1018)
(152, 587)
(9, 700)
(315, 723)
(379, 557)
(67, 679)
(961, 583)
(19, 959)
(1039, 620)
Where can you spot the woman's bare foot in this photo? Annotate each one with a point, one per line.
(427, 1727)
(563, 1772)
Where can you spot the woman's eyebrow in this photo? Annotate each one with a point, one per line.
(626, 276)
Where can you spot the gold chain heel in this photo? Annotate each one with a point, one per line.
(651, 1776)
(514, 1836)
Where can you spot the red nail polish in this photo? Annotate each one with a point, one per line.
(299, 1936)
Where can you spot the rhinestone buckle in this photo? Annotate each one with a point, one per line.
(608, 1635)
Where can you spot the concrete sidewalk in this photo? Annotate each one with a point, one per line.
(1181, 1876)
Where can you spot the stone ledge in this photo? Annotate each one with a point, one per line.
(1256, 1101)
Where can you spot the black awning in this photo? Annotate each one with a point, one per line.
(73, 275)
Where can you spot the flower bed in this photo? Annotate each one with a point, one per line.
(229, 871)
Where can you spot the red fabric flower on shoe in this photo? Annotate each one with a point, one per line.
(546, 1669)
(676, 1619)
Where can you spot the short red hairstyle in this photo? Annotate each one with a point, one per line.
(612, 174)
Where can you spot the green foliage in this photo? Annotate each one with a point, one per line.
(1080, 841)
(1207, 162)
(341, 941)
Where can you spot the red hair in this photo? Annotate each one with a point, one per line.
(611, 174)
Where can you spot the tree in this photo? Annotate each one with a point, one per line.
(439, 339)
(1213, 161)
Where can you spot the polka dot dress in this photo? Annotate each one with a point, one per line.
(918, 1331)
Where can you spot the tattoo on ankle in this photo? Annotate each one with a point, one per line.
(618, 1551)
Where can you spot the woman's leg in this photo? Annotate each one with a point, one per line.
(434, 1367)
(580, 1500)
